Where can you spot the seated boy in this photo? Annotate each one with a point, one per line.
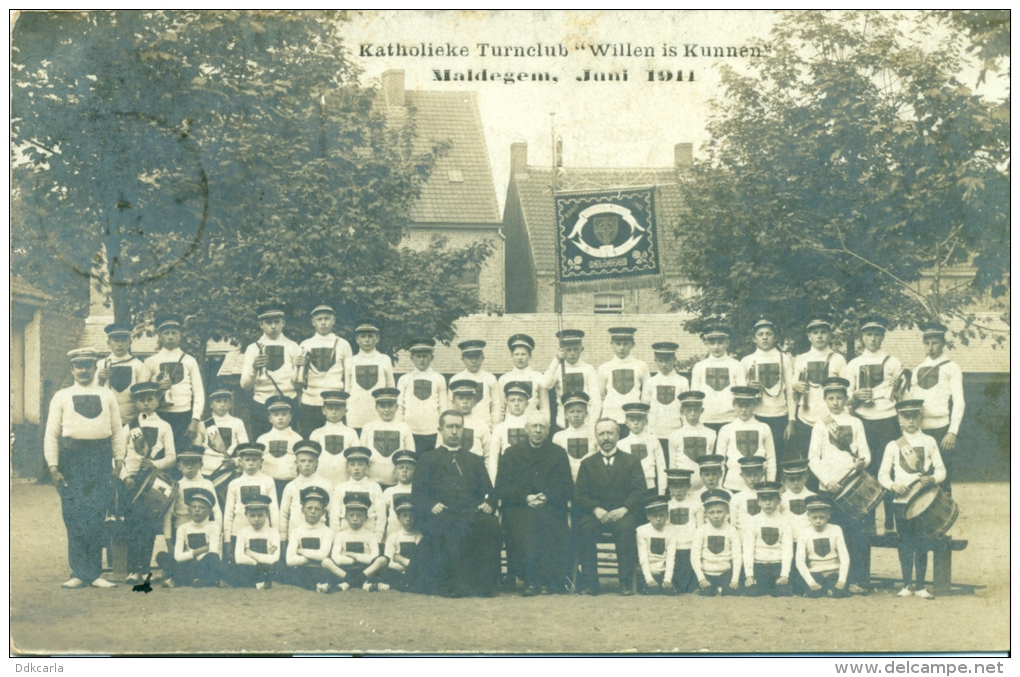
(746, 436)
(307, 454)
(822, 557)
(189, 462)
(716, 551)
(768, 546)
(149, 441)
(355, 558)
(578, 438)
(252, 482)
(357, 469)
(385, 435)
(405, 462)
(911, 464)
(333, 438)
(656, 545)
(310, 542)
(660, 392)
(220, 434)
(644, 446)
(400, 545)
(693, 440)
(196, 554)
(684, 517)
(279, 442)
(258, 546)
(745, 504)
(511, 431)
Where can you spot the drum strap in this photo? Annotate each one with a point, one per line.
(921, 374)
(834, 429)
(904, 446)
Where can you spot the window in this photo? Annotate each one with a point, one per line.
(608, 304)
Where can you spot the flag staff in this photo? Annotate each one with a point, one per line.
(558, 297)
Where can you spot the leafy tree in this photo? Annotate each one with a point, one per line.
(841, 169)
(222, 159)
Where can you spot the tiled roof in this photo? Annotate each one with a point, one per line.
(460, 189)
(495, 330)
(535, 192)
(23, 292)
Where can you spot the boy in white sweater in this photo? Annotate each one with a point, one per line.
(716, 551)
(822, 557)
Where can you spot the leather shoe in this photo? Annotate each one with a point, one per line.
(593, 591)
(626, 592)
(530, 591)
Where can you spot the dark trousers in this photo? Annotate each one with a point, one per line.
(717, 582)
(947, 457)
(828, 589)
(880, 433)
(623, 531)
(307, 576)
(857, 534)
(397, 580)
(798, 448)
(309, 419)
(766, 575)
(684, 579)
(258, 420)
(423, 443)
(664, 443)
(247, 575)
(202, 572)
(87, 467)
(777, 424)
(179, 422)
(913, 550)
(140, 533)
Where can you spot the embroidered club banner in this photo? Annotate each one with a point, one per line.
(607, 240)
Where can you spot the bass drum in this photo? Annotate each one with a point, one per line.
(860, 494)
(932, 512)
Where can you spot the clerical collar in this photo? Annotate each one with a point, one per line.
(536, 446)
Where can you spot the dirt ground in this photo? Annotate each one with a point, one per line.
(46, 619)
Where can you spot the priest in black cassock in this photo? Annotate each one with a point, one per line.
(454, 502)
(535, 484)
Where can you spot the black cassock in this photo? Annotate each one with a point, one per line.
(459, 551)
(543, 533)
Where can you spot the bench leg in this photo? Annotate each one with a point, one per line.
(942, 571)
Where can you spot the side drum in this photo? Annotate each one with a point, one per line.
(932, 512)
(220, 479)
(860, 494)
(154, 496)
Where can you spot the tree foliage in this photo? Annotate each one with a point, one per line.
(223, 159)
(842, 168)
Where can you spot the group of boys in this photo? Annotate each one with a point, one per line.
(722, 437)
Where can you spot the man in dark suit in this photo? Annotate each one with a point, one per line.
(454, 502)
(607, 496)
(535, 484)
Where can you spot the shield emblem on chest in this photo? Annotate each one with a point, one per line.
(816, 371)
(367, 375)
(912, 460)
(422, 388)
(797, 506)
(606, 227)
(196, 541)
(277, 448)
(768, 374)
(479, 392)
(695, 447)
(259, 545)
(747, 441)
(639, 451)
(770, 535)
(386, 441)
(334, 444)
(88, 406)
(716, 544)
(717, 378)
(467, 439)
(843, 437)
(752, 507)
(928, 378)
(226, 434)
(679, 516)
(623, 380)
(658, 546)
(515, 435)
(407, 548)
(172, 370)
(120, 377)
(573, 383)
(355, 546)
(322, 359)
(275, 355)
(151, 435)
(871, 375)
(665, 394)
(249, 491)
(822, 547)
(310, 543)
(577, 447)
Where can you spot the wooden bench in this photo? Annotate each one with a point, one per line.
(942, 561)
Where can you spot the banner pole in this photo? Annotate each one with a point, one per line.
(559, 283)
